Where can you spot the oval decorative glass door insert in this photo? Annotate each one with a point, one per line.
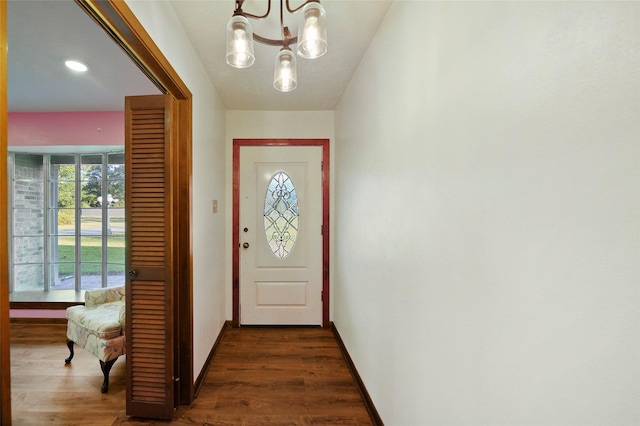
(281, 215)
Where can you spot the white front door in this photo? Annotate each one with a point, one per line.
(280, 235)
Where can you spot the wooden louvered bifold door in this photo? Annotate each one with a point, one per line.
(149, 327)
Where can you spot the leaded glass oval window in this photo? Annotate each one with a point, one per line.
(281, 215)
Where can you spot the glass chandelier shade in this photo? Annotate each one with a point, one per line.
(239, 43)
(312, 31)
(311, 39)
(285, 76)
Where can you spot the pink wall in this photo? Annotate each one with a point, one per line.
(66, 128)
(37, 313)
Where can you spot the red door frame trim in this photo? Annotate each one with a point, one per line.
(237, 143)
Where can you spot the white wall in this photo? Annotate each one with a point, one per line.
(487, 214)
(160, 21)
(273, 125)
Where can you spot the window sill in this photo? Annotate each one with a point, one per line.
(55, 299)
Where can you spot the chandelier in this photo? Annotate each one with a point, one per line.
(311, 40)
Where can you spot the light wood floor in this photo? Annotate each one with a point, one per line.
(257, 376)
(46, 391)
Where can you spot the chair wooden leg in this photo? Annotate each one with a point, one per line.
(106, 368)
(70, 346)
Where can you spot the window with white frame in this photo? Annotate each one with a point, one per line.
(67, 221)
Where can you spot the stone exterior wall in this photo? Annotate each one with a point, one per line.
(28, 222)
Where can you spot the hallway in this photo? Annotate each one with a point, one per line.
(259, 375)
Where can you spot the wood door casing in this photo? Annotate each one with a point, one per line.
(120, 23)
(326, 231)
(183, 249)
(150, 256)
(5, 364)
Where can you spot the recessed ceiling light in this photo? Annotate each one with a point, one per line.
(76, 66)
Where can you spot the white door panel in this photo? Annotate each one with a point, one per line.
(281, 282)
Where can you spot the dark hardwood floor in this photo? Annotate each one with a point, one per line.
(278, 376)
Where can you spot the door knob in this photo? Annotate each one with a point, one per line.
(133, 273)
(245, 245)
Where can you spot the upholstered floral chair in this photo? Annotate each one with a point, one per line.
(98, 327)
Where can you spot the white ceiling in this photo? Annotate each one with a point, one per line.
(41, 35)
(44, 33)
(321, 82)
